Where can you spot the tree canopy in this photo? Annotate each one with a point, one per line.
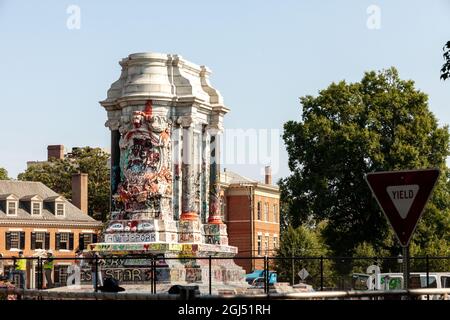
(57, 175)
(3, 174)
(381, 123)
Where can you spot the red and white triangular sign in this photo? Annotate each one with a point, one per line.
(402, 196)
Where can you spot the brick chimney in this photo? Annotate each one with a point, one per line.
(55, 152)
(80, 191)
(268, 176)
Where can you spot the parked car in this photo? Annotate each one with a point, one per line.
(394, 281)
(257, 278)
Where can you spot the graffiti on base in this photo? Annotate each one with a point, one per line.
(130, 237)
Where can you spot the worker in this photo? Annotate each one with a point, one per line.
(20, 268)
(48, 269)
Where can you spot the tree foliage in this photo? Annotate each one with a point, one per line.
(445, 70)
(3, 174)
(57, 175)
(381, 123)
(301, 242)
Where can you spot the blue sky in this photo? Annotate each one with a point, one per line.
(264, 55)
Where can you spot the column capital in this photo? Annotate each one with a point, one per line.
(214, 129)
(185, 121)
(112, 124)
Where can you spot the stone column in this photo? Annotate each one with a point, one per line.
(113, 126)
(214, 182)
(188, 205)
(205, 173)
(177, 162)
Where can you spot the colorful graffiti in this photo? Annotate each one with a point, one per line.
(145, 189)
(131, 237)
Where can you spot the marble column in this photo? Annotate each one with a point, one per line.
(113, 126)
(177, 163)
(188, 203)
(214, 183)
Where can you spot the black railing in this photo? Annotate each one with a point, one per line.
(321, 273)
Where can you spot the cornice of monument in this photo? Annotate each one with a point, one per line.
(161, 77)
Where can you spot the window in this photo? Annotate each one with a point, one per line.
(84, 239)
(445, 282)
(266, 245)
(40, 240)
(12, 207)
(64, 241)
(275, 242)
(275, 213)
(87, 239)
(266, 212)
(60, 209)
(36, 208)
(259, 211)
(259, 245)
(15, 240)
(61, 275)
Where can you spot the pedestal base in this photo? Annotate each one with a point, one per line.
(180, 263)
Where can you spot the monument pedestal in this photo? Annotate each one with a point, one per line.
(166, 120)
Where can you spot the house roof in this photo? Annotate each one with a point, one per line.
(27, 189)
(233, 178)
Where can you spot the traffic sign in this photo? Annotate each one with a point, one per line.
(303, 274)
(402, 196)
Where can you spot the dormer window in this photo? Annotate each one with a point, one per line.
(11, 208)
(60, 209)
(9, 203)
(32, 204)
(36, 208)
(56, 205)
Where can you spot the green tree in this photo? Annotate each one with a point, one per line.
(381, 123)
(445, 70)
(3, 174)
(302, 242)
(57, 175)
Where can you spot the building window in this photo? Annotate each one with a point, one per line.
(12, 208)
(266, 245)
(64, 241)
(259, 245)
(40, 240)
(259, 211)
(84, 239)
(275, 242)
(275, 213)
(266, 212)
(61, 275)
(15, 240)
(60, 209)
(36, 208)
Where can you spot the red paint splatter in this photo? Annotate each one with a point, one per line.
(148, 109)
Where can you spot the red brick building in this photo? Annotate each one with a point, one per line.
(251, 212)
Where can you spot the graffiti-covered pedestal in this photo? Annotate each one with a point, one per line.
(165, 120)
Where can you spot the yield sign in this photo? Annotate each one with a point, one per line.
(402, 195)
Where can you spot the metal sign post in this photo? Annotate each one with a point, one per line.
(406, 267)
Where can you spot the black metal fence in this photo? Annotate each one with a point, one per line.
(156, 272)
